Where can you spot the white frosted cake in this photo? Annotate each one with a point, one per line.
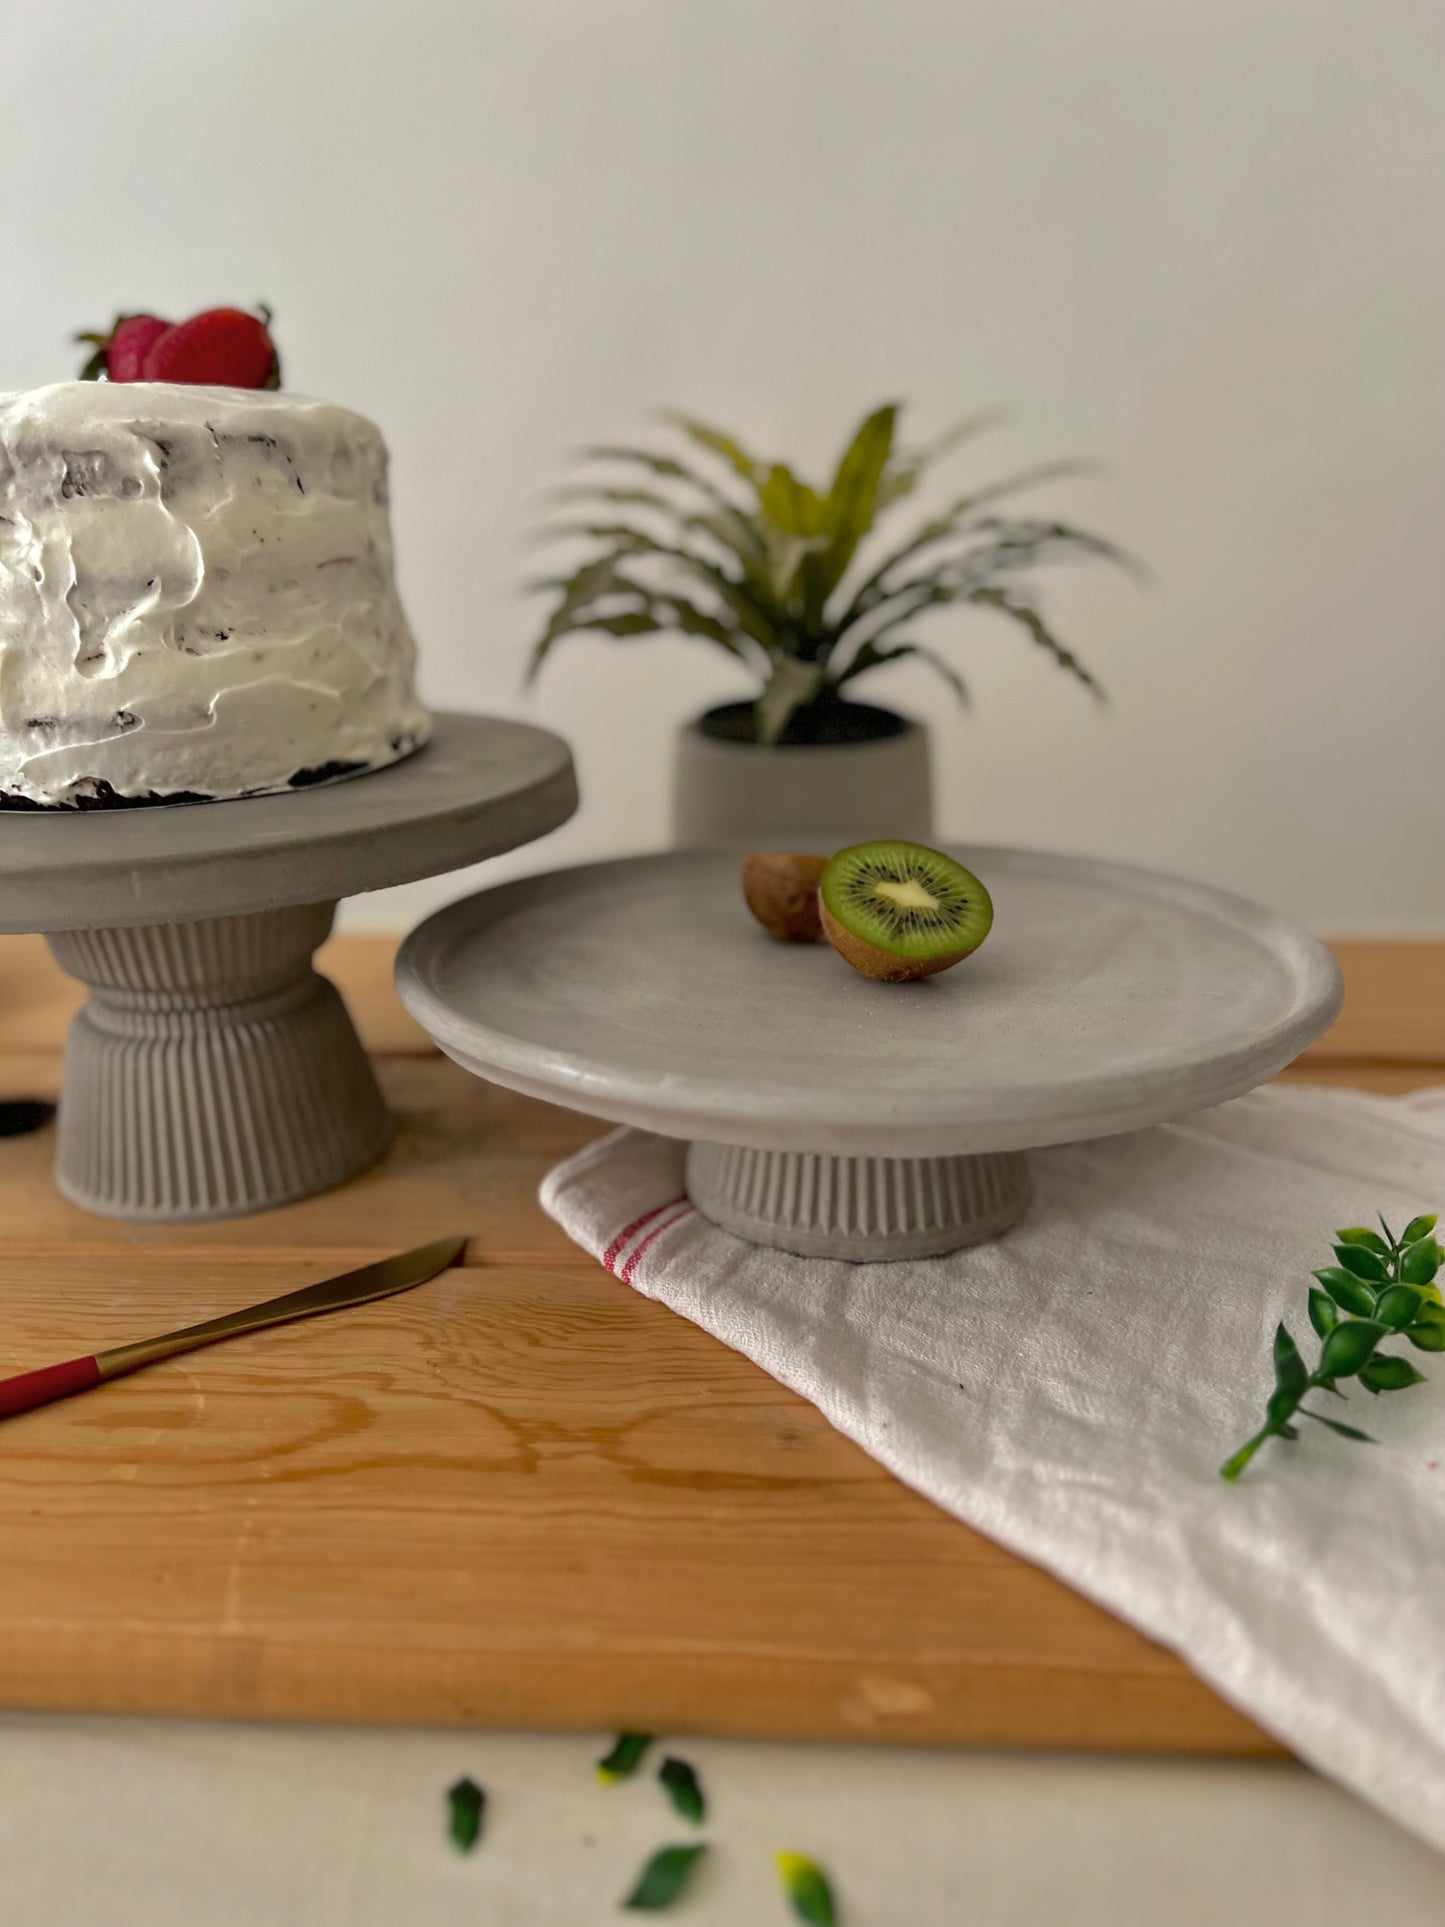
(196, 596)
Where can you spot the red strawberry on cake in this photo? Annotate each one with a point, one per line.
(219, 348)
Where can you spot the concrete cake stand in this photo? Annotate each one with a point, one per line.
(212, 1071)
(837, 1117)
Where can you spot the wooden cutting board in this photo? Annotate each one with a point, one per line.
(521, 1495)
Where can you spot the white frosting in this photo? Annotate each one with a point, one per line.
(196, 593)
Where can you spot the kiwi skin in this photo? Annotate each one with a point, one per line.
(885, 966)
(882, 965)
(781, 888)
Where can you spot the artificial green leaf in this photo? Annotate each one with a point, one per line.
(466, 1809)
(683, 1789)
(1359, 1234)
(1348, 1346)
(848, 509)
(663, 1879)
(693, 621)
(1291, 1374)
(1390, 1375)
(1279, 1407)
(868, 656)
(716, 443)
(1323, 1315)
(807, 1888)
(789, 687)
(1418, 1228)
(624, 1759)
(1349, 1292)
(1398, 1306)
(1427, 1334)
(1033, 623)
(1363, 1262)
(789, 504)
(1420, 1261)
(627, 622)
(952, 521)
(904, 473)
(1336, 1425)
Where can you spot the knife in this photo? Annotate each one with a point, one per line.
(400, 1273)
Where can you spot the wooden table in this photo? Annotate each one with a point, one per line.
(522, 1495)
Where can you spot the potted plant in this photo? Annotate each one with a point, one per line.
(743, 554)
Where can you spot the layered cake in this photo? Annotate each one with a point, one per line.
(196, 596)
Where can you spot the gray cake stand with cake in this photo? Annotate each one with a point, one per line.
(212, 1071)
(833, 1116)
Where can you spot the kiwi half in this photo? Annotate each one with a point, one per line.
(781, 888)
(897, 911)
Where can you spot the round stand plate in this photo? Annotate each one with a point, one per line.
(212, 1071)
(1107, 998)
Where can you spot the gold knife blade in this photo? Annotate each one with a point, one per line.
(381, 1280)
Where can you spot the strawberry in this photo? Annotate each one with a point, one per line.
(133, 337)
(119, 354)
(222, 348)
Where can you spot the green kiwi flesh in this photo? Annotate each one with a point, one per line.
(897, 911)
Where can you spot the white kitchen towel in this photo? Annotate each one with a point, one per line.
(1072, 1389)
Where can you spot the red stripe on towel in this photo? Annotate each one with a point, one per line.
(629, 1232)
(653, 1236)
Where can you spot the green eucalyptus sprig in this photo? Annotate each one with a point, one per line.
(1380, 1288)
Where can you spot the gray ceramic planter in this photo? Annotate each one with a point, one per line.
(730, 794)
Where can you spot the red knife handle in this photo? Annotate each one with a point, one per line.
(30, 1389)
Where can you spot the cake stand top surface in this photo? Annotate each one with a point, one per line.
(1106, 998)
(481, 785)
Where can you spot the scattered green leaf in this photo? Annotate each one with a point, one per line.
(663, 1879)
(466, 1810)
(1385, 1286)
(807, 1888)
(624, 1759)
(683, 1789)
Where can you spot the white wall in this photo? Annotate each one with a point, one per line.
(1201, 239)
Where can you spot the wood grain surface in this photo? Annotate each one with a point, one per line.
(520, 1495)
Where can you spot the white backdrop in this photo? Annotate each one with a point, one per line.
(1199, 239)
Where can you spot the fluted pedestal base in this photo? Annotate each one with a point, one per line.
(212, 1071)
(859, 1208)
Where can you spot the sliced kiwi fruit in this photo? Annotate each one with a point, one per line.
(897, 911)
(781, 888)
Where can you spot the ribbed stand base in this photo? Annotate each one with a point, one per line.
(858, 1208)
(212, 1071)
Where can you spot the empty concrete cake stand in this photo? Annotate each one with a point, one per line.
(837, 1117)
(212, 1071)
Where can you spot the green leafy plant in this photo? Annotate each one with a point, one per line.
(742, 553)
(1379, 1288)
